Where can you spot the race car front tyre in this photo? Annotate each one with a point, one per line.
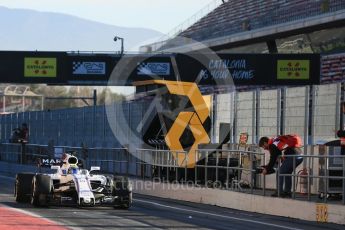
(41, 187)
(122, 192)
(128, 203)
(124, 202)
(22, 188)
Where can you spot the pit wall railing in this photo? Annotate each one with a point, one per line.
(114, 160)
(320, 177)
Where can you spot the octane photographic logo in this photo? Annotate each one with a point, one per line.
(173, 115)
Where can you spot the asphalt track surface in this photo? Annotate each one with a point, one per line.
(146, 213)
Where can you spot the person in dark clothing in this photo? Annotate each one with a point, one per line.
(281, 146)
(20, 134)
(341, 131)
(24, 133)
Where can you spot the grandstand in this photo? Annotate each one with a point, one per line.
(333, 67)
(270, 26)
(236, 16)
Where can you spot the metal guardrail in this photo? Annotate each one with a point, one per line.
(226, 169)
(153, 163)
(112, 160)
(223, 169)
(233, 163)
(13, 152)
(323, 175)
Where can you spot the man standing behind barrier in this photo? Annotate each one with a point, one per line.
(24, 133)
(341, 132)
(282, 146)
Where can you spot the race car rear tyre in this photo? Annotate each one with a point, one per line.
(22, 188)
(41, 187)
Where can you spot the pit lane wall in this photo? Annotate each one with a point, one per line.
(285, 207)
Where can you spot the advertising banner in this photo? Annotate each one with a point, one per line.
(39, 67)
(251, 69)
(113, 69)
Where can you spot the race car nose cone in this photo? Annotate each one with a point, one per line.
(87, 200)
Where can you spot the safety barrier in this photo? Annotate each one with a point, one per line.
(226, 169)
(236, 170)
(24, 154)
(229, 169)
(109, 159)
(115, 160)
(161, 164)
(319, 177)
(330, 178)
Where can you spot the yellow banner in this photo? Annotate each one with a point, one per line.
(293, 69)
(322, 213)
(39, 67)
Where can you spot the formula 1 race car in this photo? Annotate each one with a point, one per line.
(70, 185)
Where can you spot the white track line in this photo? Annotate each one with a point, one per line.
(217, 215)
(7, 177)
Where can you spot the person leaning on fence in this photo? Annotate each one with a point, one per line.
(282, 146)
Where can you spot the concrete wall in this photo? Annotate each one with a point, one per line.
(321, 105)
(224, 112)
(253, 203)
(295, 111)
(268, 124)
(245, 115)
(325, 117)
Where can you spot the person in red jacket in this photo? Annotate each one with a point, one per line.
(279, 146)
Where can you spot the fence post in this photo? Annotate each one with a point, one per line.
(251, 159)
(234, 136)
(254, 114)
(293, 177)
(196, 167)
(343, 196)
(186, 165)
(283, 111)
(128, 160)
(206, 162)
(258, 108)
(306, 119)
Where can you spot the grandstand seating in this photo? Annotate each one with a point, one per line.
(236, 16)
(333, 68)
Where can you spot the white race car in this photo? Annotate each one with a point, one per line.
(70, 185)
